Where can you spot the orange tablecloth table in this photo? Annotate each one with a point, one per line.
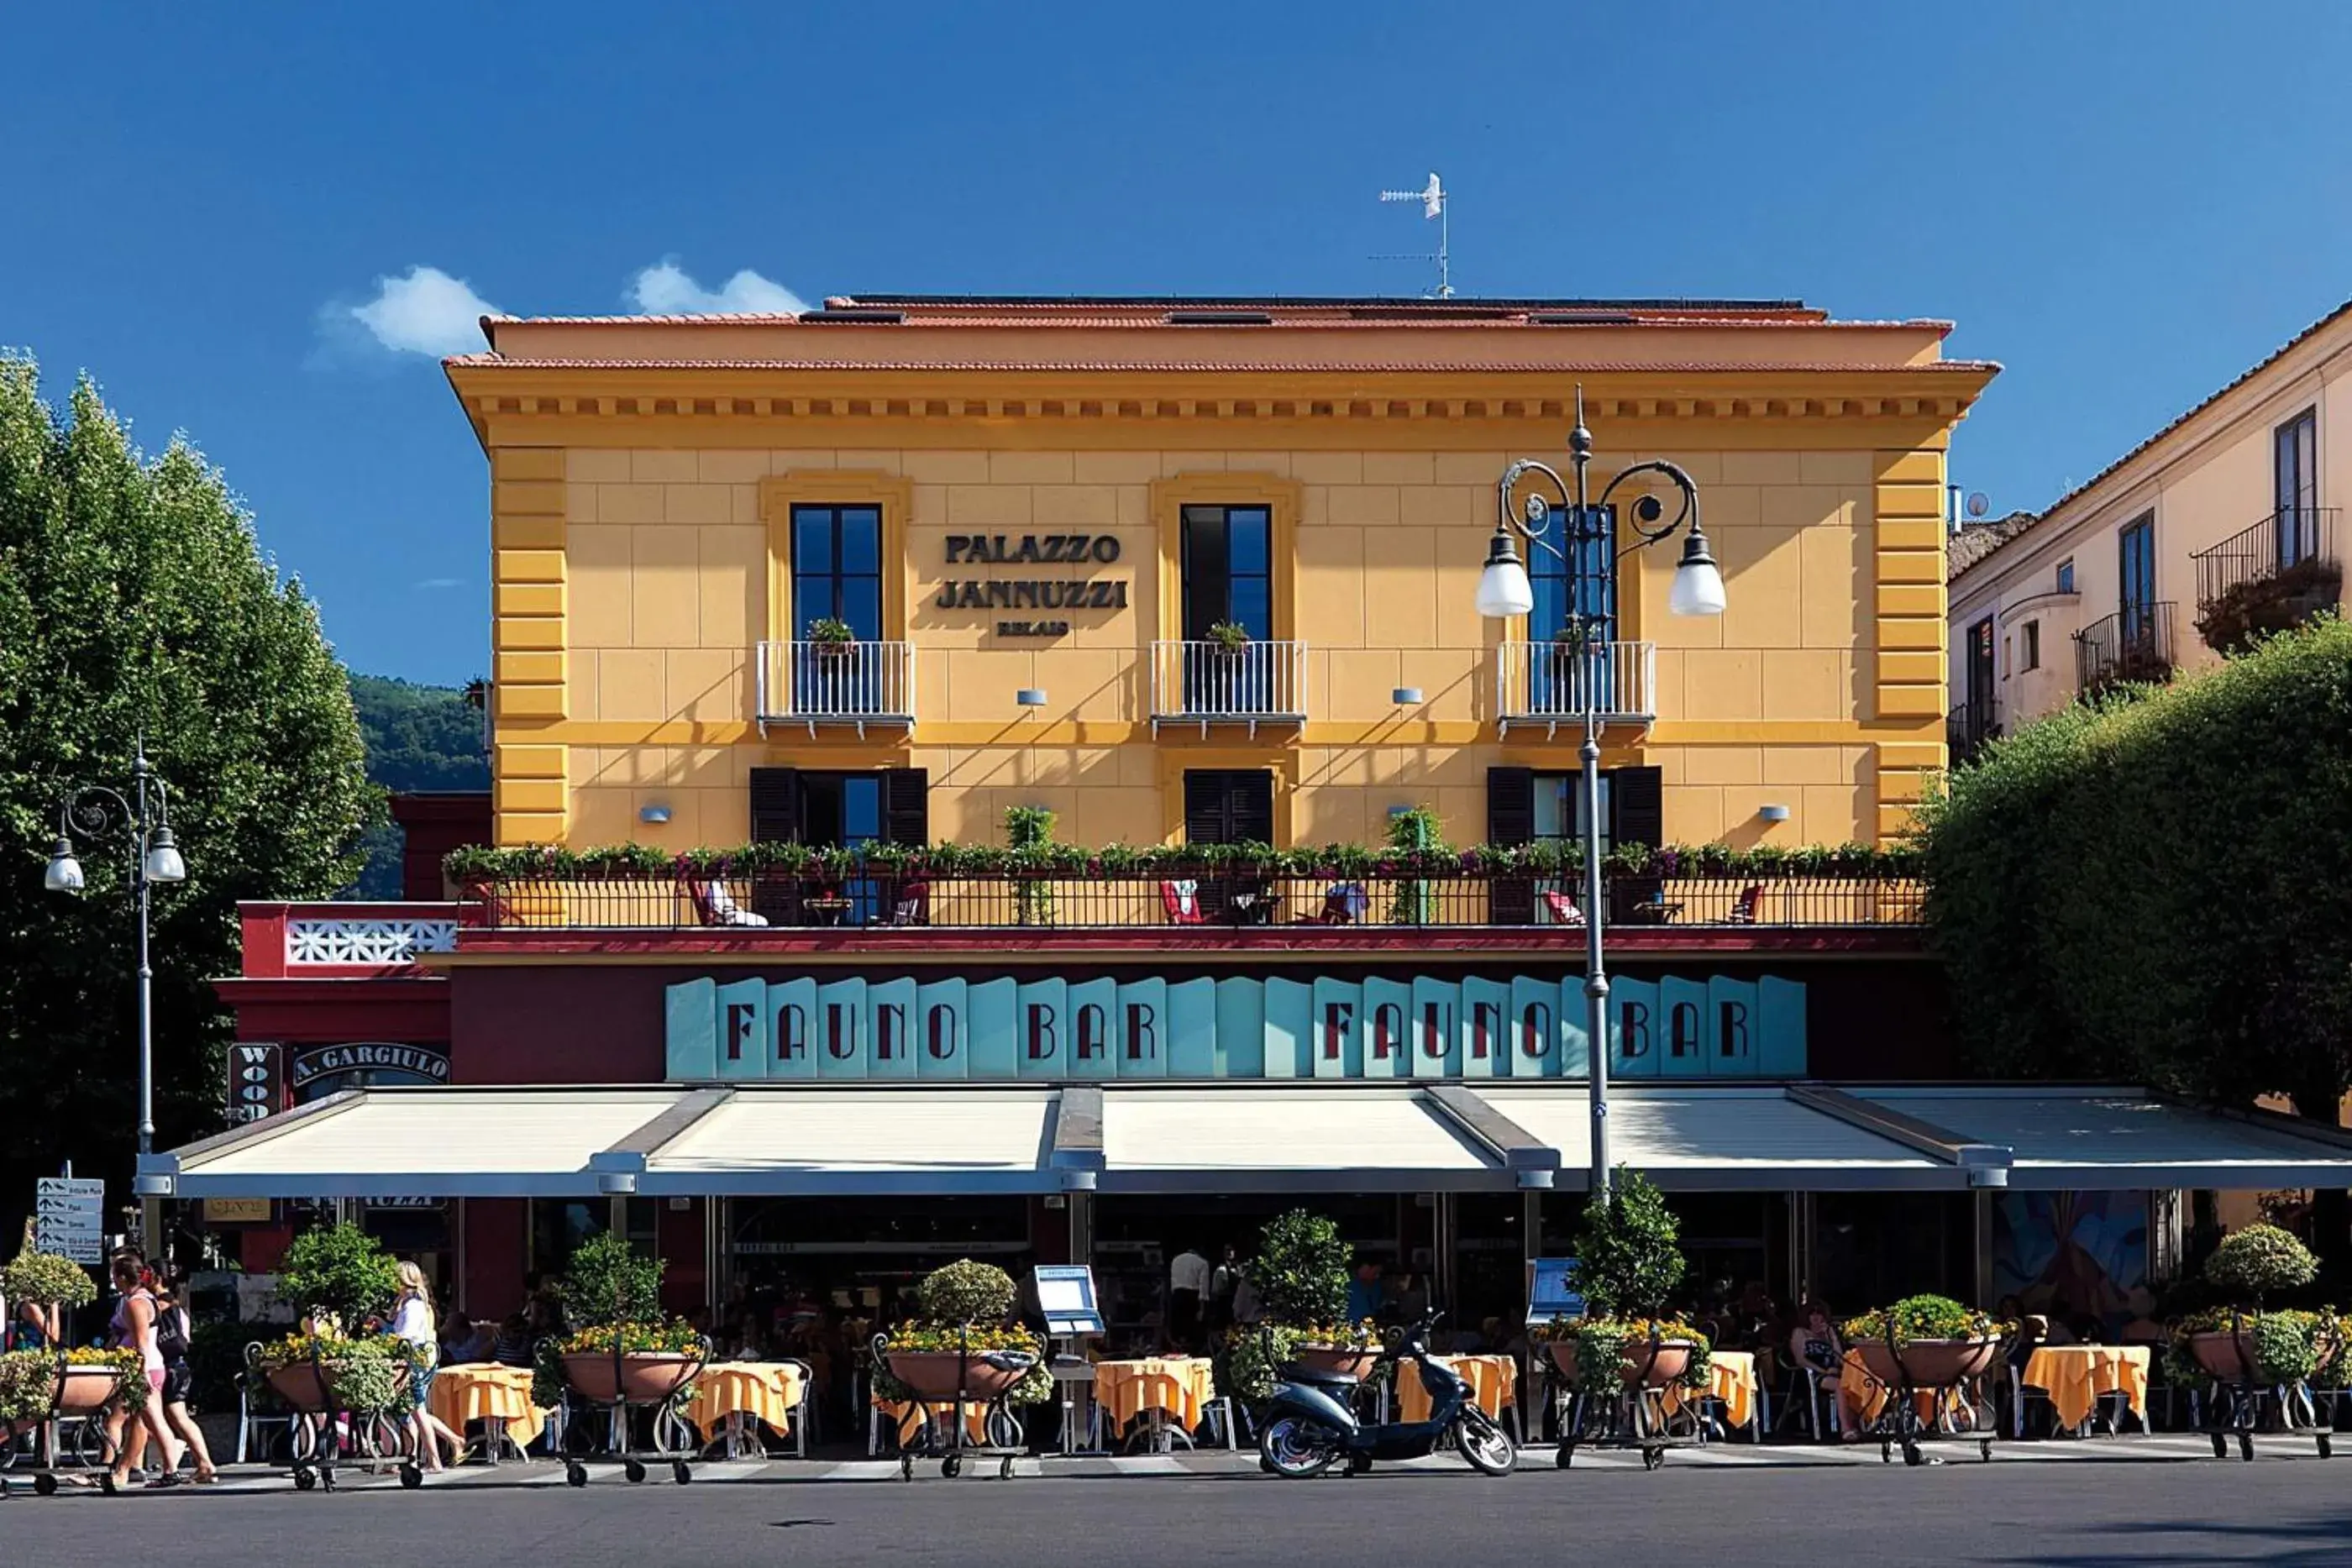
(1176, 1386)
(488, 1390)
(1731, 1378)
(2075, 1375)
(1493, 1380)
(765, 1391)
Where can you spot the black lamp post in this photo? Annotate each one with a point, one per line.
(1504, 592)
(95, 811)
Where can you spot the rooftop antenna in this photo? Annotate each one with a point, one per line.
(1431, 198)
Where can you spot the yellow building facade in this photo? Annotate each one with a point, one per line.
(1030, 519)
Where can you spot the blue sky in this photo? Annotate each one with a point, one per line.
(2125, 204)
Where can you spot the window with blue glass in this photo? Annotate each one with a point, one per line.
(837, 569)
(1228, 566)
(1575, 611)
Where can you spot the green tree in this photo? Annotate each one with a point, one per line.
(417, 738)
(2159, 888)
(134, 597)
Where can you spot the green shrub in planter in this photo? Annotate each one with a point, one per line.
(2261, 1260)
(608, 1283)
(340, 1271)
(2285, 1347)
(1925, 1317)
(1629, 1257)
(45, 1277)
(1300, 1272)
(968, 1292)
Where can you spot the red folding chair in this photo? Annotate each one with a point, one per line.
(1181, 900)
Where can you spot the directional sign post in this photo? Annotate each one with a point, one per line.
(70, 1215)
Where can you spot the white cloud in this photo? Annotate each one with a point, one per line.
(667, 288)
(425, 312)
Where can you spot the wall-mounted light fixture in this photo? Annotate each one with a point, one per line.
(1029, 696)
(655, 814)
(1773, 813)
(1406, 697)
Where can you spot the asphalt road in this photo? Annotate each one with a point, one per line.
(2280, 1512)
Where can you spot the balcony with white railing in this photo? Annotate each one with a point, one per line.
(1209, 683)
(813, 682)
(1551, 682)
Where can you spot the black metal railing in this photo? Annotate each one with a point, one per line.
(1968, 726)
(1210, 900)
(2287, 538)
(2132, 644)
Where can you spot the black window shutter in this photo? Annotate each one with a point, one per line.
(1510, 805)
(907, 806)
(1251, 804)
(1511, 819)
(1640, 802)
(775, 805)
(776, 820)
(1208, 814)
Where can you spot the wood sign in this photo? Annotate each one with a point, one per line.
(1239, 1027)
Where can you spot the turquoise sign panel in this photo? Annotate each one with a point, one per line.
(1094, 1027)
(841, 1032)
(791, 1029)
(992, 1017)
(1678, 1027)
(743, 1030)
(1143, 1026)
(891, 1024)
(940, 1043)
(1634, 1029)
(691, 1018)
(1387, 1028)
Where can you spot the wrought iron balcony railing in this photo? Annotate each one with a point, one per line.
(837, 683)
(1208, 682)
(1212, 900)
(2268, 577)
(1969, 726)
(2132, 644)
(1551, 682)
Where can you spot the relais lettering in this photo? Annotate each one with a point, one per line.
(1417, 1028)
(1032, 593)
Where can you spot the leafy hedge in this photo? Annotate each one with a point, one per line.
(2158, 887)
(475, 865)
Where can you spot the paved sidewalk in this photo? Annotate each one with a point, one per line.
(2168, 1447)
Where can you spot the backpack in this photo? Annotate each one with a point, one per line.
(170, 1335)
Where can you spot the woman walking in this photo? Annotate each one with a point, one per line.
(172, 1332)
(412, 1320)
(133, 1328)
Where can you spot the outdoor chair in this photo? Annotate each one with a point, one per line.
(1181, 900)
(1744, 907)
(912, 906)
(714, 906)
(1563, 909)
(1343, 904)
(1801, 1400)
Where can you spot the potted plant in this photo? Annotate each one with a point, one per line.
(1927, 1342)
(49, 1279)
(830, 637)
(1230, 637)
(1629, 1261)
(1300, 1275)
(335, 1278)
(964, 1344)
(2241, 1342)
(620, 1347)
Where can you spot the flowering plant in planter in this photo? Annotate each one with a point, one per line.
(372, 1372)
(964, 1333)
(1605, 1354)
(1230, 636)
(621, 1346)
(1926, 1317)
(48, 1278)
(828, 634)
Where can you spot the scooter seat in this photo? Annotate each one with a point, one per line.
(1292, 1372)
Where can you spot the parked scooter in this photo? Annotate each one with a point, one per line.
(1310, 1423)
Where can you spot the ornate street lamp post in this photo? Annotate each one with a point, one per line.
(95, 811)
(1504, 592)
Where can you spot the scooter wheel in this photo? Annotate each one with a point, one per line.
(575, 1474)
(1266, 1464)
(634, 1469)
(411, 1477)
(679, 1473)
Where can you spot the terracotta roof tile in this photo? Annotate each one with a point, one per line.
(501, 362)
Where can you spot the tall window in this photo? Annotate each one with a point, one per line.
(2136, 573)
(837, 569)
(1228, 806)
(1228, 570)
(2066, 575)
(2030, 645)
(1575, 589)
(1978, 695)
(1560, 810)
(2295, 449)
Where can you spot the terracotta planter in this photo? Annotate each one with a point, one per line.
(310, 1389)
(932, 1373)
(88, 1390)
(2216, 1351)
(1932, 1363)
(1635, 1364)
(1345, 1361)
(646, 1376)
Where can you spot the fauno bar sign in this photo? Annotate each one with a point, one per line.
(1418, 1028)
